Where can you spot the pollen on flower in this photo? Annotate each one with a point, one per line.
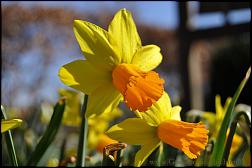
(191, 138)
(140, 89)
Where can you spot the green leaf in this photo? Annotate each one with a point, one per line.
(9, 141)
(218, 151)
(49, 134)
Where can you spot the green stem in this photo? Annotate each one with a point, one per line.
(160, 155)
(83, 135)
(9, 142)
(62, 150)
(231, 134)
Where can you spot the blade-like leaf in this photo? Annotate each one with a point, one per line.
(49, 134)
(218, 151)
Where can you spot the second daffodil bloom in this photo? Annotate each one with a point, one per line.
(117, 66)
(97, 126)
(161, 123)
(220, 114)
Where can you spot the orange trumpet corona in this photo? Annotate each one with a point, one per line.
(191, 138)
(140, 89)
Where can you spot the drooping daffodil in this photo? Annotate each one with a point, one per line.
(10, 124)
(117, 66)
(161, 123)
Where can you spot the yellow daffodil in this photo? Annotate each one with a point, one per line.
(72, 110)
(10, 124)
(220, 113)
(103, 141)
(71, 116)
(117, 66)
(219, 116)
(161, 123)
(97, 126)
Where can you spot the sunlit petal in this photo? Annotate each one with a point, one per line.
(102, 100)
(175, 113)
(132, 131)
(159, 111)
(95, 43)
(81, 75)
(145, 151)
(123, 29)
(147, 57)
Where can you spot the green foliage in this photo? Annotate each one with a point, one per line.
(218, 151)
(49, 134)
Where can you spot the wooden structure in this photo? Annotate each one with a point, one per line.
(187, 37)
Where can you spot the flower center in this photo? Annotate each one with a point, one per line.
(191, 138)
(140, 89)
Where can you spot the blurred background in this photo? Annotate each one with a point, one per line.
(205, 47)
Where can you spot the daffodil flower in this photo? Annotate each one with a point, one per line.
(72, 110)
(10, 124)
(71, 116)
(117, 66)
(97, 126)
(103, 141)
(219, 116)
(161, 123)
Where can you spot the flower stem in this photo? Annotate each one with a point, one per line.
(160, 155)
(83, 135)
(9, 142)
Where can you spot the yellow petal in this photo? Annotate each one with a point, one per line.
(147, 57)
(95, 43)
(93, 138)
(220, 110)
(133, 131)
(109, 116)
(228, 101)
(102, 100)
(145, 151)
(209, 118)
(104, 140)
(10, 124)
(175, 113)
(159, 111)
(123, 29)
(81, 75)
(72, 110)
